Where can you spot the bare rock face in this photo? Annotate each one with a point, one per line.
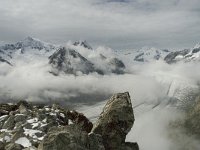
(115, 122)
(56, 128)
(70, 137)
(79, 119)
(69, 61)
(14, 146)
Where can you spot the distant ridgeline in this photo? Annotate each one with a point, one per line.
(65, 60)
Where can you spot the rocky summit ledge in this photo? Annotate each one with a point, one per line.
(24, 126)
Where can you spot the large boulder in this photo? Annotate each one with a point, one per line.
(70, 137)
(115, 122)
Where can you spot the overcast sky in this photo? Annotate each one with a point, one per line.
(118, 24)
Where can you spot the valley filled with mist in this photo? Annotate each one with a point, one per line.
(163, 84)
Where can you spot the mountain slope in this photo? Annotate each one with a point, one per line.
(27, 46)
(185, 55)
(143, 55)
(69, 61)
(105, 62)
(146, 54)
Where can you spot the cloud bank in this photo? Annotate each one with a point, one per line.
(120, 24)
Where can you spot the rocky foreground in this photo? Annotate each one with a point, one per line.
(24, 126)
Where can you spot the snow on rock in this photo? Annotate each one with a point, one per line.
(23, 141)
(143, 55)
(186, 55)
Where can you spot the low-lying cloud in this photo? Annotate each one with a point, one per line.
(149, 85)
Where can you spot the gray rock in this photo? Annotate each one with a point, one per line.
(70, 137)
(80, 120)
(115, 121)
(129, 146)
(117, 66)
(19, 132)
(1, 145)
(9, 123)
(94, 140)
(13, 146)
(83, 44)
(171, 57)
(23, 109)
(20, 118)
(3, 119)
(30, 148)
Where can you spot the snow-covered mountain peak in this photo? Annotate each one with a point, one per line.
(33, 43)
(69, 61)
(148, 54)
(29, 48)
(83, 44)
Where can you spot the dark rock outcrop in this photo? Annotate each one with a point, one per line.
(115, 122)
(55, 128)
(117, 66)
(79, 119)
(31, 122)
(83, 44)
(171, 57)
(112, 65)
(13, 146)
(186, 55)
(5, 61)
(70, 137)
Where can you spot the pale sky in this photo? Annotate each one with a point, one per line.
(119, 24)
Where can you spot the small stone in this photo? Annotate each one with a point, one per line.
(20, 118)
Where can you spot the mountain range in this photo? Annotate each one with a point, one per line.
(62, 59)
(80, 58)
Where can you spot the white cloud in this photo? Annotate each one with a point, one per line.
(117, 24)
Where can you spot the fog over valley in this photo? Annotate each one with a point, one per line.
(99, 75)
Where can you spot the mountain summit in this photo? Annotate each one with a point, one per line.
(83, 44)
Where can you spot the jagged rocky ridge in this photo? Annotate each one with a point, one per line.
(149, 54)
(82, 44)
(69, 61)
(62, 59)
(28, 45)
(185, 55)
(27, 126)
